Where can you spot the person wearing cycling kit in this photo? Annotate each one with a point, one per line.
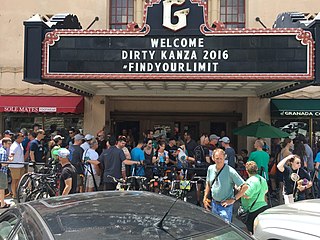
(202, 161)
(160, 159)
(183, 162)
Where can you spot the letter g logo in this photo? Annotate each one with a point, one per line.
(181, 15)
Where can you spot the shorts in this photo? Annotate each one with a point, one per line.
(3, 180)
(17, 173)
(288, 198)
(90, 182)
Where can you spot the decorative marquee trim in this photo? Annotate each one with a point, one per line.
(305, 37)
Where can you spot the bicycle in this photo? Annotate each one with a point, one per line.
(122, 185)
(181, 187)
(138, 183)
(160, 183)
(37, 185)
(44, 187)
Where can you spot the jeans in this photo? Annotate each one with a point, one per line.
(223, 212)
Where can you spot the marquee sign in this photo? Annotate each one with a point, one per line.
(176, 42)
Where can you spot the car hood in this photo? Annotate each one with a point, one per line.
(301, 216)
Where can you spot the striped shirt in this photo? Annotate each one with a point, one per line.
(3, 158)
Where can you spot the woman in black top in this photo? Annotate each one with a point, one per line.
(296, 179)
(148, 154)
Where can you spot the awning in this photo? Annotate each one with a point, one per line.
(41, 104)
(295, 107)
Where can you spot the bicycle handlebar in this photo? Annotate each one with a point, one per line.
(137, 177)
(175, 168)
(121, 180)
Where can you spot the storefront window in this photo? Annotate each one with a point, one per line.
(15, 123)
(296, 127)
(293, 126)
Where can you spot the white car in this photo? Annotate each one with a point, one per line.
(299, 220)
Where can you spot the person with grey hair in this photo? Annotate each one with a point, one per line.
(92, 167)
(221, 180)
(261, 158)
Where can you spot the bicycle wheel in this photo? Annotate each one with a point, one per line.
(32, 195)
(42, 194)
(25, 187)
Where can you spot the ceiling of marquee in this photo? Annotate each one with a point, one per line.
(184, 88)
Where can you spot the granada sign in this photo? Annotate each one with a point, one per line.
(176, 42)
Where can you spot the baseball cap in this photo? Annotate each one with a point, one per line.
(63, 153)
(225, 140)
(78, 137)
(213, 136)
(88, 137)
(56, 137)
(8, 132)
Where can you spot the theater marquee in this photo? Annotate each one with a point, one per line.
(177, 43)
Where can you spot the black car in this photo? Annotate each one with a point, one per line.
(113, 215)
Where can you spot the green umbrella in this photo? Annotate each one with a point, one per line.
(260, 129)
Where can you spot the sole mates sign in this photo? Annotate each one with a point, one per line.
(177, 42)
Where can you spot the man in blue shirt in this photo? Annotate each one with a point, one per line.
(221, 180)
(137, 154)
(36, 148)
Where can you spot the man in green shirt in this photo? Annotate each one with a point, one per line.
(261, 158)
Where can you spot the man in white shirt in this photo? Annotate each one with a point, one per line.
(16, 155)
(92, 167)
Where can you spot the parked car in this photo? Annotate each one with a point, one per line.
(296, 221)
(113, 215)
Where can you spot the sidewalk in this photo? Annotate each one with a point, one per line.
(8, 200)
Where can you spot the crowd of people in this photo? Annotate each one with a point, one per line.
(285, 172)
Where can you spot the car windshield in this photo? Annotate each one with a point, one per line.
(136, 227)
(132, 217)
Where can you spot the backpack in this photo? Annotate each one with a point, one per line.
(200, 157)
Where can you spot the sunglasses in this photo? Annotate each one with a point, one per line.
(122, 138)
(149, 143)
(298, 163)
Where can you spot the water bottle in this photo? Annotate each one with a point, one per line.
(161, 159)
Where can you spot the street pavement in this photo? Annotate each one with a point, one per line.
(8, 200)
